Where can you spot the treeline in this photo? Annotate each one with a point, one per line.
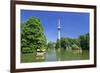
(82, 42)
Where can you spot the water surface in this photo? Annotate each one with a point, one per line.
(55, 55)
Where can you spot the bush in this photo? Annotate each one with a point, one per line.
(27, 50)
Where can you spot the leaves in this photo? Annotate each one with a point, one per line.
(51, 45)
(74, 43)
(84, 41)
(32, 34)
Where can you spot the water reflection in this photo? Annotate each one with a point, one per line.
(40, 56)
(51, 55)
(62, 55)
(55, 55)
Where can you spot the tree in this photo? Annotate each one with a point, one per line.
(50, 45)
(75, 47)
(84, 41)
(32, 34)
(74, 43)
(57, 46)
(64, 43)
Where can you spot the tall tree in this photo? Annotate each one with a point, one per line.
(32, 34)
(84, 41)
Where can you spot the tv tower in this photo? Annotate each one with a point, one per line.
(59, 36)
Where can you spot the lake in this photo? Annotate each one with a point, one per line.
(55, 55)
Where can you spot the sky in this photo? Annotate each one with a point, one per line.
(73, 24)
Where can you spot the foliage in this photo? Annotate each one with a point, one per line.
(64, 43)
(74, 43)
(32, 34)
(27, 50)
(75, 47)
(50, 45)
(84, 41)
(57, 44)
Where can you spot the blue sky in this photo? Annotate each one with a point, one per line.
(73, 24)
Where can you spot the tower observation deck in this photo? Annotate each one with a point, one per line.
(59, 29)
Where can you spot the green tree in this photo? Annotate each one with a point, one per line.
(32, 34)
(50, 45)
(75, 47)
(84, 41)
(64, 43)
(58, 45)
(74, 43)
